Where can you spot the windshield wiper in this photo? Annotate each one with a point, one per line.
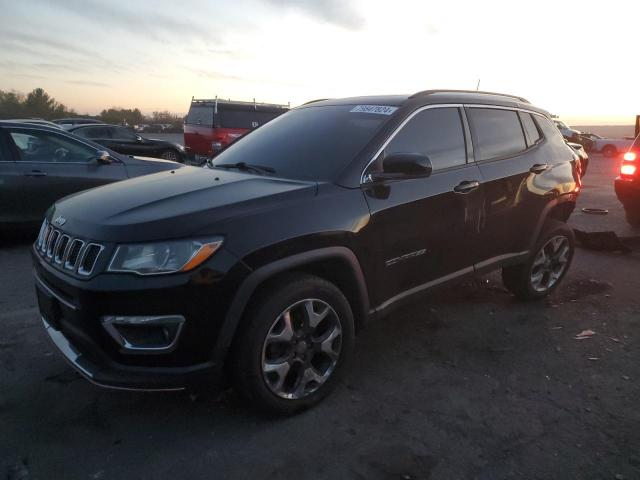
(246, 167)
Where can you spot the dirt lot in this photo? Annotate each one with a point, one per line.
(469, 384)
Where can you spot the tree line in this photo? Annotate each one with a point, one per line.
(39, 104)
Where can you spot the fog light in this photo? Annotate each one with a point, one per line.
(144, 334)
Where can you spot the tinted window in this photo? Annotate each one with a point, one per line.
(311, 143)
(436, 133)
(41, 146)
(232, 118)
(497, 132)
(549, 130)
(200, 115)
(530, 128)
(119, 133)
(92, 132)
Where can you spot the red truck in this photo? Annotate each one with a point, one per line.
(212, 124)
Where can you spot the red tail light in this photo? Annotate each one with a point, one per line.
(630, 157)
(628, 169)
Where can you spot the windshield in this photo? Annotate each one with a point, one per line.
(311, 143)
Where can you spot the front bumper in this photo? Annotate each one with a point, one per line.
(71, 310)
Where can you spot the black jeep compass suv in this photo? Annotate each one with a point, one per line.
(265, 266)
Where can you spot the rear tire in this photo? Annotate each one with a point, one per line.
(544, 269)
(633, 216)
(296, 339)
(172, 155)
(609, 151)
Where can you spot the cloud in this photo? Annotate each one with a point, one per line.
(138, 20)
(338, 12)
(87, 83)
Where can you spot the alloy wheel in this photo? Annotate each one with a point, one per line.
(169, 155)
(301, 349)
(550, 263)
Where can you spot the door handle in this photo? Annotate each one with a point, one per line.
(539, 168)
(466, 187)
(35, 173)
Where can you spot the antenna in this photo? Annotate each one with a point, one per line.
(215, 108)
(478, 85)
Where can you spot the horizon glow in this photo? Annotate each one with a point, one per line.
(155, 55)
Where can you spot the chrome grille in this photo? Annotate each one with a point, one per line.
(66, 252)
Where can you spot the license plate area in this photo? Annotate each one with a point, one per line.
(49, 308)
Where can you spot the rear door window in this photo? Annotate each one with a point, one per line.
(436, 133)
(120, 133)
(200, 115)
(530, 128)
(497, 133)
(93, 132)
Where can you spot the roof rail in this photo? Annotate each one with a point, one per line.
(253, 103)
(424, 93)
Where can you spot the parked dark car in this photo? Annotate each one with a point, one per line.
(39, 165)
(68, 123)
(265, 266)
(126, 141)
(627, 185)
(212, 125)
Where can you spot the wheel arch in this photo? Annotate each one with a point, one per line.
(338, 265)
(559, 209)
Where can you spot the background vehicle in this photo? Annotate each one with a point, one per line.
(566, 131)
(265, 265)
(211, 125)
(67, 123)
(610, 147)
(584, 158)
(627, 185)
(39, 165)
(126, 141)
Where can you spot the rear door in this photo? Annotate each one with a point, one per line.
(198, 129)
(99, 134)
(10, 185)
(53, 165)
(514, 197)
(425, 230)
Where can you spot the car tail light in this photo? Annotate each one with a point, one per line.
(630, 157)
(628, 170)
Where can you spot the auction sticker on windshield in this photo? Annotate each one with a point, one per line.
(379, 109)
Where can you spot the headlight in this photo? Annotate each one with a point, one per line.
(163, 257)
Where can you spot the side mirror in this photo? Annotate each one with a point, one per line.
(103, 158)
(138, 138)
(399, 166)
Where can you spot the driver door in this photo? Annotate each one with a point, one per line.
(52, 165)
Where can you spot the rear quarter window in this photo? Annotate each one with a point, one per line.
(200, 115)
(496, 133)
(533, 135)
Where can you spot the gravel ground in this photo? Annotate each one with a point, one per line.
(467, 383)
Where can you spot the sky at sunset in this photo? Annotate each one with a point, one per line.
(576, 61)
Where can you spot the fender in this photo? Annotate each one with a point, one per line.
(257, 277)
(561, 200)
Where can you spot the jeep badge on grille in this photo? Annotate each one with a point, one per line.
(60, 221)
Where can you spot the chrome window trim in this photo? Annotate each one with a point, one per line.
(363, 178)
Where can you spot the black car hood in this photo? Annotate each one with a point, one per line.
(172, 204)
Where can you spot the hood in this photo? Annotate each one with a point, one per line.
(172, 204)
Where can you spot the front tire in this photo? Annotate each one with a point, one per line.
(609, 151)
(296, 339)
(546, 266)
